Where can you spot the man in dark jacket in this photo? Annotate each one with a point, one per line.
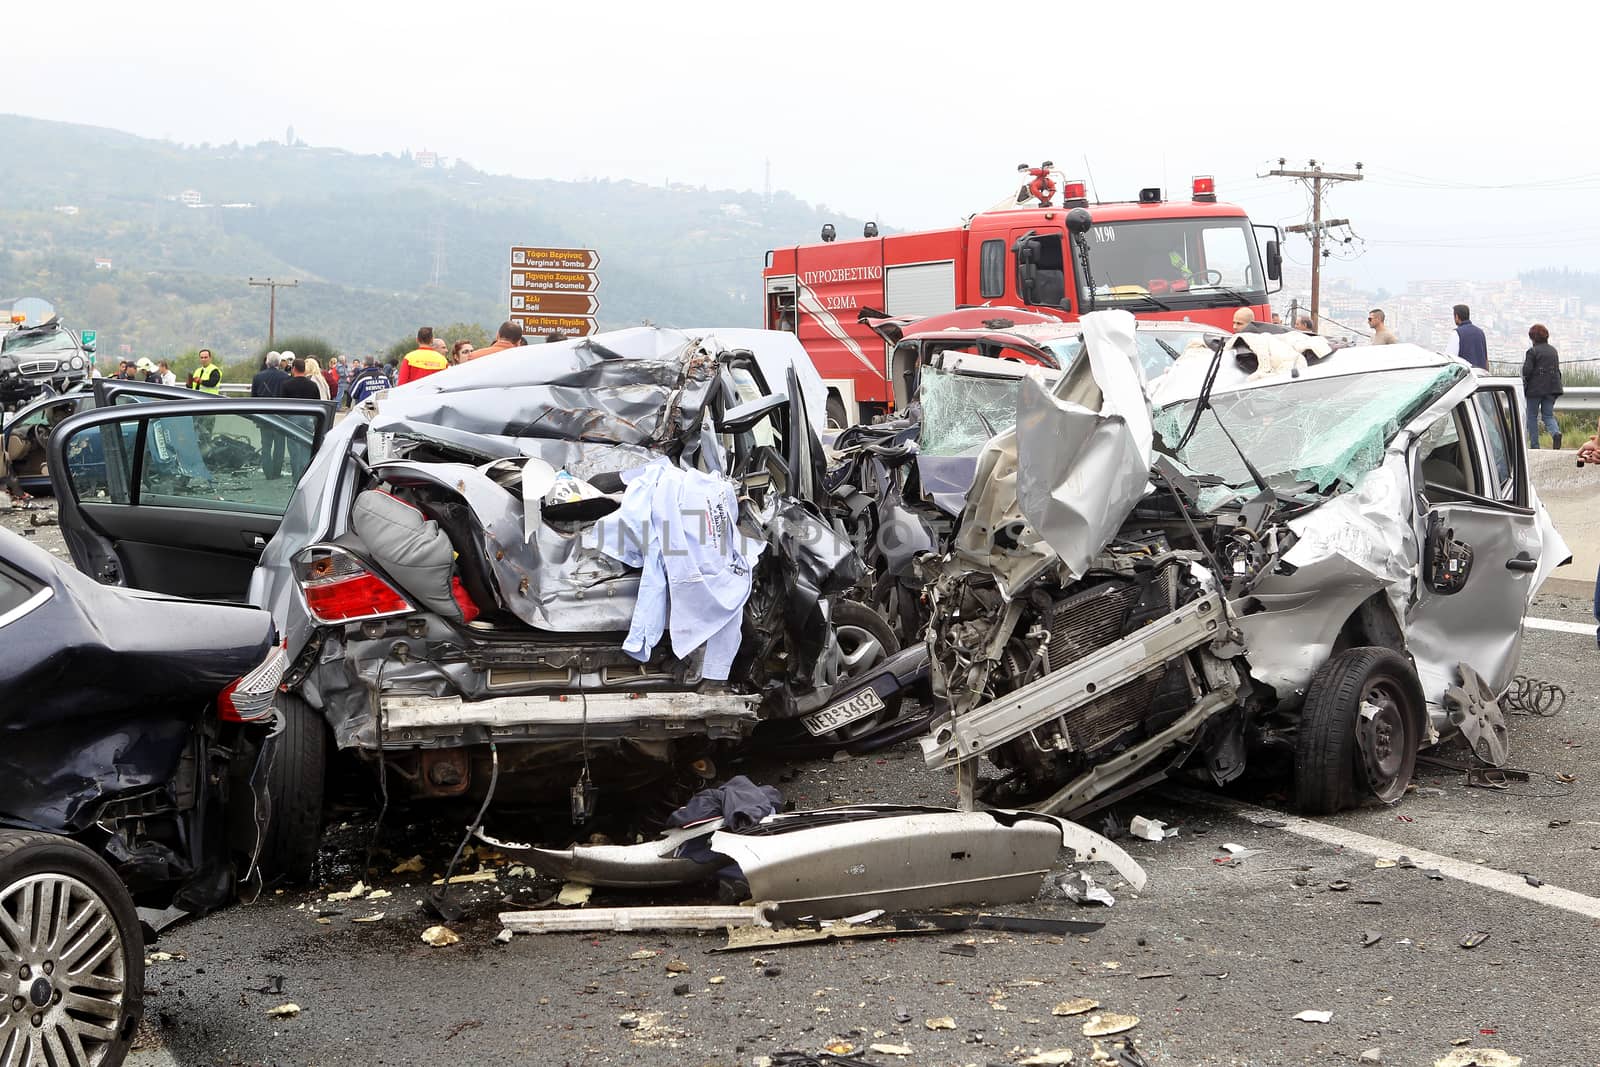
(1541, 384)
(1468, 341)
(268, 382)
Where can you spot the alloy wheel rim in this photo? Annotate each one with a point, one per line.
(62, 973)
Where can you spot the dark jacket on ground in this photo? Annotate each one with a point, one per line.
(268, 382)
(1541, 371)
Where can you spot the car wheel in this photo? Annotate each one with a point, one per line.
(838, 418)
(71, 954)
(1359, 731)
(295, 786)
(865, 640)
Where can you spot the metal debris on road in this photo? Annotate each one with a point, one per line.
(1079, 888)
(1474, 939)
(1046, 1059)
(1370, 938)
(284, 1011)
(1075, 1006)
(1312, 1016)
(890, 1050)
(944, 1022)
(622, 920)
(960, 948)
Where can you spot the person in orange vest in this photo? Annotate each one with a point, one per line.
(423, 360)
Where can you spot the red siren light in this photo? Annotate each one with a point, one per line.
(1205, 188)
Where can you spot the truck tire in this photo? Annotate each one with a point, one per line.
(838, 418)
(1359, 731)
(296, 785)
(67, 1001)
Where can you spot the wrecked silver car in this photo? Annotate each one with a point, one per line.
(1325, 554)
(598, 563)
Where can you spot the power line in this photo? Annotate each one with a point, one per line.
(272, 304)
(1314, 177)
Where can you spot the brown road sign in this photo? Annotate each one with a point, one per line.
(554, 281)
(554, 303)
(554, 258)
(554, 325)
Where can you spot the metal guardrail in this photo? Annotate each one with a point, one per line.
(1579, 398)
(235, 388)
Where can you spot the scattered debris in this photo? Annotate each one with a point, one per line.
(1075, 1006)
(960, 949)
(1311, 1016)
(644, 954)
(165, 957)
(678, 967)
(1479, 1057)
(890, 1050)
(379, 894)
(274, 985)
(1106, 1025)
(355, 892)
(1057, 1055)
(1533, 881)
(1339, 885)
(944, 1022)
(410, 866)
(1474, 939)
(484, 875)
(573, 894)
(284, 1011)
(504, 937)
(1079, 888)
(1383, 864)
(1236, 853)
(1370, 938)
(1372, 1055)
(440, 936)
(1149, 829)
(376, 916)
(683, 917)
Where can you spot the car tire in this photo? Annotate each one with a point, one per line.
(68, 1002)
(860, 626)
(838, 418)
(296, 786)
(1334, 767)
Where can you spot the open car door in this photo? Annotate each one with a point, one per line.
(179, 495)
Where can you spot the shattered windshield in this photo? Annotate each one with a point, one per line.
(1175, 260)
(961, 412)
(1327, 431)
(38, 341)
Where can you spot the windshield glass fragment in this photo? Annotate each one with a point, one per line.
(1327, 431)
(960, 412)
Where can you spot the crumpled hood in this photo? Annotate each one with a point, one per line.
(1061, 482)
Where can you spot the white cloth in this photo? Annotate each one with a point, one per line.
(679, 527)
(1452, 347)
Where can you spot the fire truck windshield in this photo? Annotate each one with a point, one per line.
(1175, 263)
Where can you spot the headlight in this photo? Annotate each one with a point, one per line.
(77, 362)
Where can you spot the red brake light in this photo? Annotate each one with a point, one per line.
(338, 588)
(1205, 187)
(251, 698)
(1074, 190)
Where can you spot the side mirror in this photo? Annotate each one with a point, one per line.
(1274, 261)
(1079, 221)
(1027, 252)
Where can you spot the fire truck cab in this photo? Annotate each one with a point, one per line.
(1194, 261)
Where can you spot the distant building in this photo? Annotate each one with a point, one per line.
(190, 198)
(65, 209)
(102, 264)
(427, 160)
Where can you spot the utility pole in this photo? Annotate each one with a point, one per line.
(272, 305)
(1314, 176)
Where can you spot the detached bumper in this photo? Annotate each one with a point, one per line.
(411, 721)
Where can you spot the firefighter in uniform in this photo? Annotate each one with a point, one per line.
(207, 377)
(423, 360)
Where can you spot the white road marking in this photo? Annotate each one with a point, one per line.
(1474, 874)
(1560, 626)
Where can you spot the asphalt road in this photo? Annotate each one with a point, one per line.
(1214, 959)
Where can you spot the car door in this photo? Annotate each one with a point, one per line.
(180, 495)
(1470, 473)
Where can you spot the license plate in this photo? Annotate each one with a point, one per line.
(843, 713)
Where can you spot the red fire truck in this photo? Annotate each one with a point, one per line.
(1193, 260)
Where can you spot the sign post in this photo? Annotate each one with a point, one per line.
(552, 290)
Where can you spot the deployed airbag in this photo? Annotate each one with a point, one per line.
(409, 546)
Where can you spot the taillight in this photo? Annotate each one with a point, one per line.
(250, 699)
(338, 587)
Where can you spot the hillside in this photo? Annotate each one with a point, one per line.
(362, 234)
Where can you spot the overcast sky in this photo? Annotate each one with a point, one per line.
(1472, 119)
